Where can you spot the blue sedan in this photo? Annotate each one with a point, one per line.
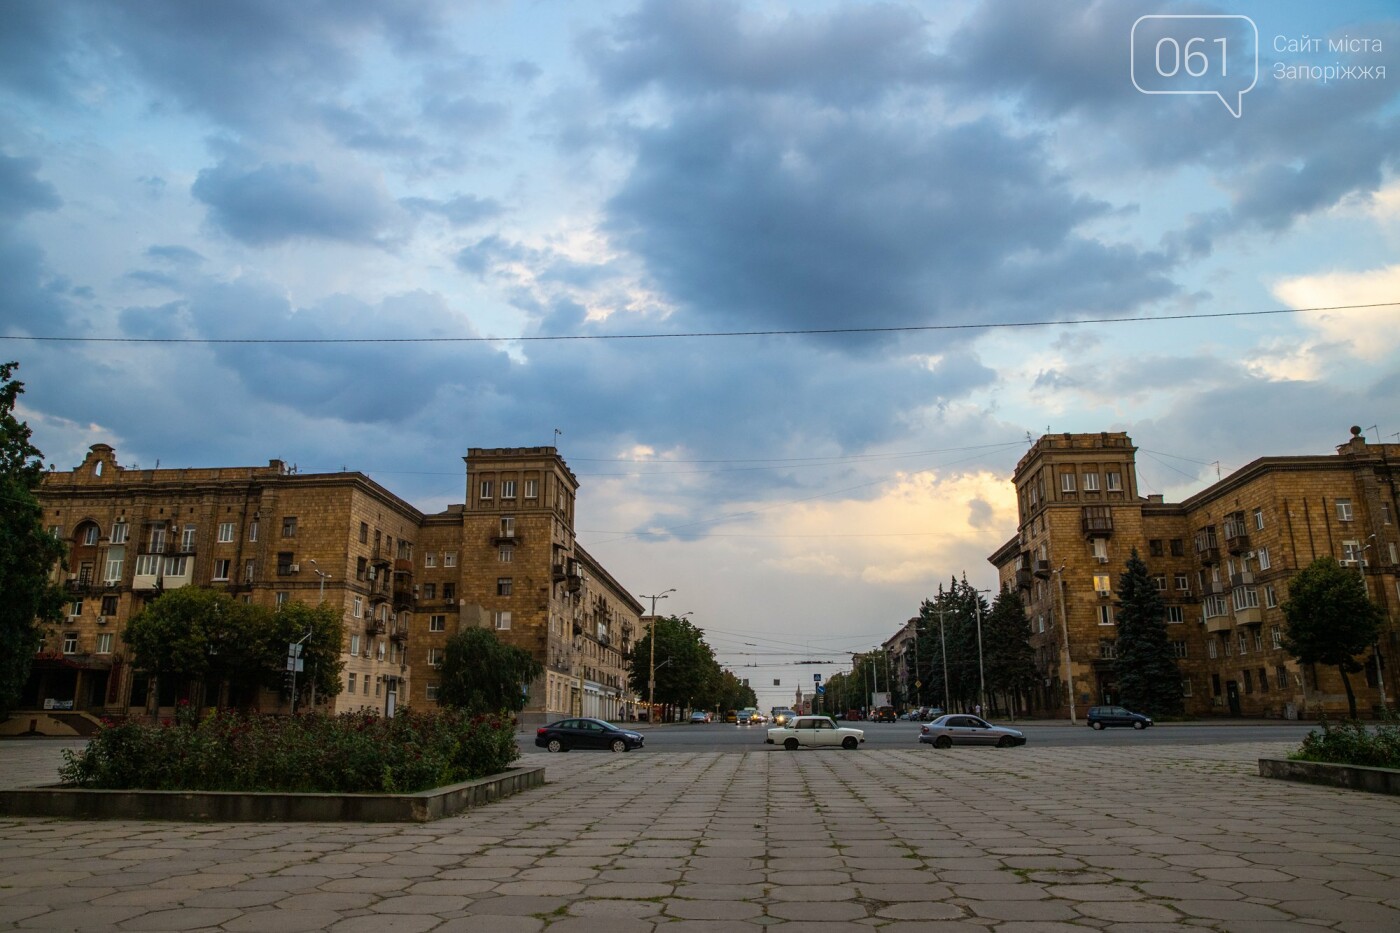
(569, 734)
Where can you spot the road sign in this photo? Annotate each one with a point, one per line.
(918, 685)
(295, 664)
(817, 678)
(293, 650)
(820, 690)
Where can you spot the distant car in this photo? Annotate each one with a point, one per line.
(568, 734)
(744, 717)
(815, 732)
(782, 716)
(884, 714)
(700, 716)
(962, 729)
(1102, 716)
(930, 713)
(853, 715)
(732, 716)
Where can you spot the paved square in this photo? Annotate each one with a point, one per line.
(1141, 840)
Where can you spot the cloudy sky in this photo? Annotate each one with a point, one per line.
(798, 281)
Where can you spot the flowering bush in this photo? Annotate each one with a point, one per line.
(1352, 743)
(310, 753)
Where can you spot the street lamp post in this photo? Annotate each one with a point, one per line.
(316, 569)
(943, 640)
(981, 669)
(1069, 669)
(1376, 650)
(651, 681)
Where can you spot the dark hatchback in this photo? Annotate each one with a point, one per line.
(1103, 716)
(567, 734)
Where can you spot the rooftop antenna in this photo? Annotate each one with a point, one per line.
(1030, 442)
(557, 434)
(1374, 428)
(1216, 464)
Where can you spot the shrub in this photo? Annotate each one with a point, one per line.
(1353, 743)
(311, 753)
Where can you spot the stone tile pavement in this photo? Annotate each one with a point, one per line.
(1130, 840)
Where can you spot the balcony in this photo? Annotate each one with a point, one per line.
(1241, 579)
(1218, 624)
(506, 536)
(403, 565)
(1251, 616)
(1023, 579)
(403, 598)
(1208, 554)
(1097, 522)
(399, 632)
(557, 572)
(1042, 569)
(375, 626)
(1237, 543)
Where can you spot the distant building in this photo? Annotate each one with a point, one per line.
(403, 581)
(1221, 560)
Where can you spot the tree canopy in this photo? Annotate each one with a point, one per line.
(1148, 679)
(482, 674)
(1330, 619)
(28, 599)
(687, 673)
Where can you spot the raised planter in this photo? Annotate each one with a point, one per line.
(1353, 777)
(238, 807)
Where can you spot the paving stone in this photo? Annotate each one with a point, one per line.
(713, 910)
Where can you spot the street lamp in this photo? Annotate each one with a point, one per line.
(316, 569)
(651, 682)
(981, 669)
(1069, 669)
(1376, 649)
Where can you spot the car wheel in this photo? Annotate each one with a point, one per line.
(618, 745)
(790, 744)
(1139, 725)
(1097, 725)
(556, 746)
(942, 742)
(1005, 742)
(849, 743)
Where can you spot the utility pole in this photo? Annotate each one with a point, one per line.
(651, 682)
(943, 637)
(1069, 668)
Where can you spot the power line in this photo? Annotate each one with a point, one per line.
(685, 335)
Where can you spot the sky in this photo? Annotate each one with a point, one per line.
(799, 282)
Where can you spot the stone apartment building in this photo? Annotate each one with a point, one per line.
(403, 581)
(1221, 560)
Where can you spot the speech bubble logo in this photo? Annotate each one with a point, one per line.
(1216, 54)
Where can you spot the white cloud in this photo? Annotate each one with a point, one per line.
(1367, 333)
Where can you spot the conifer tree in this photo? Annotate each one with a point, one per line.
(1148, 678)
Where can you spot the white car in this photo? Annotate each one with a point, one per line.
(815, 732)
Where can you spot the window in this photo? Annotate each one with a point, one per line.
(1214, 606)
(116, 556)
(284, 563)
(532, 489)
(1244, 643)
(177, 566)
(1258, 639)
(1215, 684)
(253, 531)
(435, 657)
(1248, 681)
(1105, 615)
(70, 642)
(157, 539)
(119, 532)
(366, 685)
(1091, 482)
(282, 597)
(449, 591)
(289, 526)
(1245, 597)
(1040, 619)
(1154, 548)
(1276, 634)
(1178, 649)
(430, 591)
(1343, 510)
(75, 608)
(109, 606)
(1258, 519)
(1186, 686)
(357, 607)
(90, 534)
(248, 569)
(431, 692)
(104, 643)
(1281, 676)
(1102, 584)
(503, 586)
(187, 539)
(437, 623)
(350, 683)
(379, 650)
(507, 489)
(486, 489)
(1352, 552)
(1175, 615)
(1178, 547)
(1270, 597)
(1394, 556)
(1229, 646)
(502, 621)
(147, 565)
(1115, 481)
(1067, 482)
(1211, 648)
(430, 560)
(1101, 550)
(507, 527)
(1108, 649)
(449, 558)
(1263, 555)
(225, 532)
(221, 569)
(1183, 583)
(354, 644)
(1160, 581)
(364, 539)
(506, 554)
(1263, 680)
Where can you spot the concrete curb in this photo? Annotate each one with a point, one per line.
(1352, 777)
(236, 807)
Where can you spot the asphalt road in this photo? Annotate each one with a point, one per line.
(726, 737)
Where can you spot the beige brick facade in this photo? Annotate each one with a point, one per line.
(1221, 558)
(404, 581)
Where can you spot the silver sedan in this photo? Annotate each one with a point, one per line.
(962, 729)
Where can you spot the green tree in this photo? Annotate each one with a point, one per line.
(324, 635)
(684, 662)
(28, 553)
(1006, 637)
(1330, 619)
(482, 674)
(1148, 678)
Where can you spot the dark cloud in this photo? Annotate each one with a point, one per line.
(152, 279)
(269, 202)
(175, 255)
(32, 300)
(359, 130)
(34, 49)
(21, 190)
